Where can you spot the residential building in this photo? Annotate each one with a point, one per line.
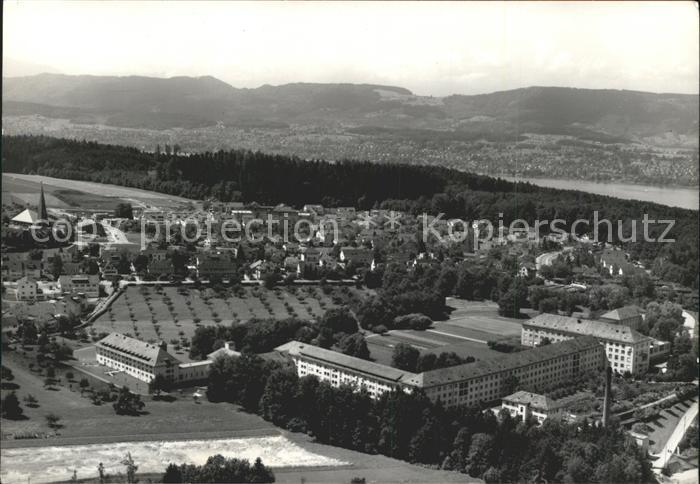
(27, 289)
(83, 283)
(524, 405)
(160, 267)
(356, 255)
(215, 266)
(626, 349)
(659, 350)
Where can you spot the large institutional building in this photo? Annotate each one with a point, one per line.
(467, 384)
(626, 349)
(145, 360)
(338, 369)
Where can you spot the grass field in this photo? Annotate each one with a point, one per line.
(170, 313)
(470, 326)
(179, 431)
(63, 193)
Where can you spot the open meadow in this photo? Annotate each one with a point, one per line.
(472, 324)
(66, 194)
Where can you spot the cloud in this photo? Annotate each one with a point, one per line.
(431, 48)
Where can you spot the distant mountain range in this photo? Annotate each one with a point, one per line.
(194, 102)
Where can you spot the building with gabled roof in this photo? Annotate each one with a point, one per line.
(468, 384)
(145, 361)
(630, 316)
(338, 369)
(626, 349)
(524, 405)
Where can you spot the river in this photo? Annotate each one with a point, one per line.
(671, 196)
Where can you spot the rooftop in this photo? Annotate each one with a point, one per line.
(588, 327)
(505, 362)
(295, 348)
(620, 314)
(534, 400)
(149, 353)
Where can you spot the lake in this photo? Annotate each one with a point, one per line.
(673, 197)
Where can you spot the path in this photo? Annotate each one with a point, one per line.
(678, 433)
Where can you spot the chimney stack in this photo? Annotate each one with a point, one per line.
(608, 396)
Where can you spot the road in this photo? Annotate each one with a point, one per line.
(546, 259)
(689, 323)
(678, 433)
(114, 235)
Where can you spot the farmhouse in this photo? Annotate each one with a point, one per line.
(626, 349)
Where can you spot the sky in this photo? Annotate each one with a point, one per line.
(431, 48)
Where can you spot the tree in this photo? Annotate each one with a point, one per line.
(127, 403)
(84, 383)
(509, 305)
(52, 421)
(10, 407)
(270, 279)
(131, 468)
(415, 321)
(6, 374)
(354, 345)
(172, 474)
(339, 320)
(101, 472)
(124, 210)
(158, 384)
(405, 357)
(31, 401)
(277, 399)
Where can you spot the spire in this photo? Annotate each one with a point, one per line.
(43, 214)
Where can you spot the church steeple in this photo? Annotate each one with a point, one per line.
(43, 214)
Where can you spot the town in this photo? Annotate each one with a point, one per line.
(140, 304)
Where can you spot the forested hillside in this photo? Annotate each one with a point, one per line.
(252, 176)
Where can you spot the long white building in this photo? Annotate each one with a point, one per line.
(468, 384)
(145, 360)
(626, 349)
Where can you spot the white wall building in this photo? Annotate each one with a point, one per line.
(626, 349)
(26, 289)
